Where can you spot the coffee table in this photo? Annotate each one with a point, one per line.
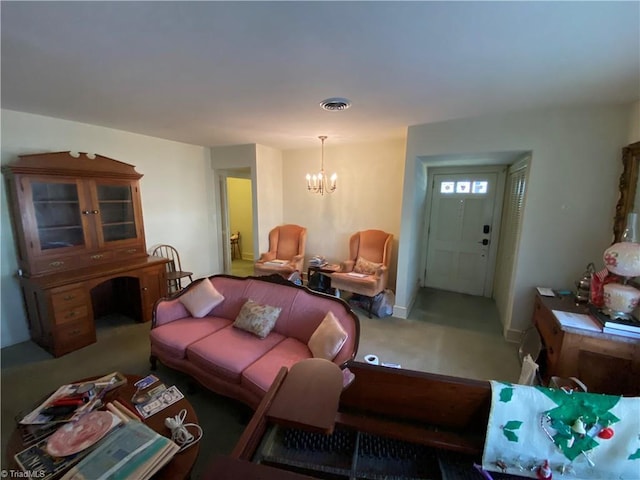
(178, 468)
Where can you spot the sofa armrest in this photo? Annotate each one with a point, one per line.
(347, 266)
(166, 311)
(267, 257)
(381, 271)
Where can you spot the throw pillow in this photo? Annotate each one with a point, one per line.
(201, 299)
(328, 338)
(256, 318)
(365, 266)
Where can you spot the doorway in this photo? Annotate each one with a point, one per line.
(238, 231)
(463, 219)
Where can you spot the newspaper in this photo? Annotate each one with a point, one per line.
(132, 451)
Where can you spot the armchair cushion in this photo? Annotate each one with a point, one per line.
(256, 318)
(328, 338)
(365, 266)
(201, 299)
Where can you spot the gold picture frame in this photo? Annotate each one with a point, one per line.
(628, 188)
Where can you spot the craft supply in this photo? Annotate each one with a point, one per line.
(127, 411)
(117, 413)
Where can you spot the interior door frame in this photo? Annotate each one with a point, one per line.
(223, 175)
(501, 171)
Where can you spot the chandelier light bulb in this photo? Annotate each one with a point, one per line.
(318, 182)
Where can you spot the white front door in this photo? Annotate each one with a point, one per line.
(460, 231)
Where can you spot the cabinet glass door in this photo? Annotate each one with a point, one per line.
(57, 214)
(117, 216)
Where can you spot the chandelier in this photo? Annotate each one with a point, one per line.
(317, 183)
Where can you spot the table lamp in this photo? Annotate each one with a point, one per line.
(622, 259)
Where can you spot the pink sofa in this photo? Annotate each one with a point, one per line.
(237, 363)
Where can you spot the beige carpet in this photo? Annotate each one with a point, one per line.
(447, 333)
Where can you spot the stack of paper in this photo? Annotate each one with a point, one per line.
(133, 451)
(577, 320)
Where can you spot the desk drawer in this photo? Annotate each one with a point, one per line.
(73, 314)
(62, 300)
(74, 335)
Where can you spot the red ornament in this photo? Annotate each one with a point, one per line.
(606, 433)
(544, 471)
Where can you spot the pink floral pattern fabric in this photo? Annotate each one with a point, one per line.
(257, 318)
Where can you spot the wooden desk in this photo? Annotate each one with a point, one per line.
(182, 463)
(605, 363)
(61, 307)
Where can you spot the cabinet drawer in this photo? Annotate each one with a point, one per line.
(68, 298)
(551, 335)
(73, 336)
(96, 258)
(130, 252)
(56, 264)
(73, 314)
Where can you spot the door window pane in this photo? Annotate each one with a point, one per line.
(479, 186)
(447, 187)
(463, 187)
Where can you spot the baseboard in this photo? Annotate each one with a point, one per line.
(403, 312)
(400, 312)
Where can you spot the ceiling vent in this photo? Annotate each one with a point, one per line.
(334, 104)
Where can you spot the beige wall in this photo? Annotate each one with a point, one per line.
(369, 194)
(570, 200)
(241, 213)
(177, 189)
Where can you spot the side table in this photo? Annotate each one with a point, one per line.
(606, 363)
(320, 270)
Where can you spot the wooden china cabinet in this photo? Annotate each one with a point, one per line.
(80, 243)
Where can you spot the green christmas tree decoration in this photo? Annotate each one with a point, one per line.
(590, 408)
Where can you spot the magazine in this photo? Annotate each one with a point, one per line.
(132, 451)
(66, 404)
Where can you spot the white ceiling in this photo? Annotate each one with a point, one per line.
(221, 73)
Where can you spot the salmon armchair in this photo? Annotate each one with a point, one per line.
(286, 252)
(366, 271)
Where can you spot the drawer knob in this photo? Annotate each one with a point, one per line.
(97, 257)
(56, 264)
(69, 297)
(551, 350)
(71, 314)
(132, 250)
(75, 332)
(144, 289)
